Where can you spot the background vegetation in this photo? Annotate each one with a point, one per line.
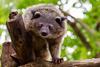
(73, 47)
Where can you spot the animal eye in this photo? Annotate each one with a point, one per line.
(35, 14)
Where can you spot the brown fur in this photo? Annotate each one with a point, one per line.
(46, 46)
(51, 44)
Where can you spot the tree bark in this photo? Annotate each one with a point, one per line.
(20, 38)
(7, 51)
(7, 60)
(84, 63)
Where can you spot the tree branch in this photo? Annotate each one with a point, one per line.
(7, 60)
(84, 63)
(91, 31)
(77, 30)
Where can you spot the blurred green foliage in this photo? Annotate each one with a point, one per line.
(33, 2)
(71, 43)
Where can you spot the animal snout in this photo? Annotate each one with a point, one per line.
(44, 33)
(45, 30)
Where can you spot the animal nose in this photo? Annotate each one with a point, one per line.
(44, 33)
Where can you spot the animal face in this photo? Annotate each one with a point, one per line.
(44, 23)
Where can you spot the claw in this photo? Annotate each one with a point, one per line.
(57, 60)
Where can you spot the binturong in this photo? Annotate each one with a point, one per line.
(47, 26)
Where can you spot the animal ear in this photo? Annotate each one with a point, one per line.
(35, 14)
(58, 19)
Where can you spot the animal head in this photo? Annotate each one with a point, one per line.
(46, 21)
